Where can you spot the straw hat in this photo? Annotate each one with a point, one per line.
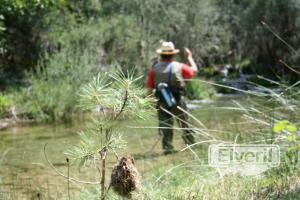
(167, 48)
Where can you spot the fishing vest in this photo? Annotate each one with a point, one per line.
(170, 73)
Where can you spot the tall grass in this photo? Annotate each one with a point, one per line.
(194, 179)
(187, 176)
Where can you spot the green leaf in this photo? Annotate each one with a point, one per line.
(284, 122)
(295, 147)
(278, 127)
(284, 125)
(292, 137)
(291, 128)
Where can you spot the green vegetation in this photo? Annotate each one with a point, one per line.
(198, 90)
(264, 32)
(191, 178)
(182, 175)
(49, 48)
(115, 95)
(5, 104)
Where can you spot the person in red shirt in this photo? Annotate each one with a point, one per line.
(166, 79)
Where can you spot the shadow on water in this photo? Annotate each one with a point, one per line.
(143, 156)
(47, 137)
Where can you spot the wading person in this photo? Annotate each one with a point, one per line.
(166, 78)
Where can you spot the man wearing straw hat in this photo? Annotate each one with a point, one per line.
(167, 79)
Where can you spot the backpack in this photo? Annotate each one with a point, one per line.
(169, 83)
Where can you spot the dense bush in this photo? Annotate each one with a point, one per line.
(199, 90)
(52, 91)
(87, 49)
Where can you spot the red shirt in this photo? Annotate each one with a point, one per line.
(186, 71)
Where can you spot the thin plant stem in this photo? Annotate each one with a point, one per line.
(123, 105)
(103, 179)
(103, 154)
(67, 159)
(289, 67)
(278, 37)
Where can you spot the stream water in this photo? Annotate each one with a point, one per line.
(25, 173)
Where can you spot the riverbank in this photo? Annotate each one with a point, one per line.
(6, 123)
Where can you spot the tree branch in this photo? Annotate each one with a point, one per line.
(123, 106)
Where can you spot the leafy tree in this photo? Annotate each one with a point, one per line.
(264, 31)
(20, 32)
(25, 26)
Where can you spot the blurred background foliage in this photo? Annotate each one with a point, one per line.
(48, 48)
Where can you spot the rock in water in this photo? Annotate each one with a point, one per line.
(125, 178)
